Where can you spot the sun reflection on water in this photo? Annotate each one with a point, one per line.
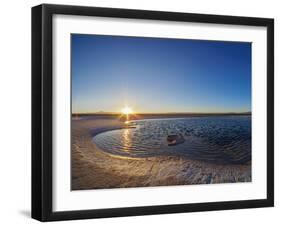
(127, 139)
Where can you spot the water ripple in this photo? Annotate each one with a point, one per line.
(224, 139)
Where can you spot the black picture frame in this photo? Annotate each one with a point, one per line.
(42, 111)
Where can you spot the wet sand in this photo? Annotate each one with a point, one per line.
(92, 168)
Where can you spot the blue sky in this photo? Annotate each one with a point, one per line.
(154, 75)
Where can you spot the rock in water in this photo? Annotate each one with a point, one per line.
(175, 139)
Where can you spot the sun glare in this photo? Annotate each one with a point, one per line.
(127, 110)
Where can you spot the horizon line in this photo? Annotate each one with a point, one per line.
(158, 113)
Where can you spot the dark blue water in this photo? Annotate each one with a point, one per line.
(222, 139)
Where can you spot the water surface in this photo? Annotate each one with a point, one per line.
(221, 139)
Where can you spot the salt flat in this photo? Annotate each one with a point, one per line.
(92, 168)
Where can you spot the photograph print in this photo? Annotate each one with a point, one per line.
(159, 112)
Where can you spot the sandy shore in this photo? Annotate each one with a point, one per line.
(93, 168)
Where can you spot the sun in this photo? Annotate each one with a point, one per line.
(127, 110)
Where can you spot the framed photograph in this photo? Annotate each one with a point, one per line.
(145, 112)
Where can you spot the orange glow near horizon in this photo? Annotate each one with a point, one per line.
(127, 110)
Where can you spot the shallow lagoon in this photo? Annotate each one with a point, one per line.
(220, 139)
